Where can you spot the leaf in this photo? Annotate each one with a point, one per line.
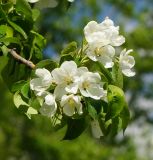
(35, 14)
(104, 71)
(18, 101)
(17, 86)
(117, 75)
(5, 50)
(25, 90)
(17, 28)
(14, 72)
(70, 48)
(23, 7)
(67, 57)
(74, 128)
(125, 117)
(114, 128)
(30, 112)
(116, 101)
(48, 64)
(6, 31)
(92, 111)
(9, 40)
(37, 46)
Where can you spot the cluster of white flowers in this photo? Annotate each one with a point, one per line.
(71, 84)
(102, 38)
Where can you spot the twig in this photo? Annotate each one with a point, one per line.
(21, 59)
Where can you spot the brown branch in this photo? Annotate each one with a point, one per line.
(21, 59)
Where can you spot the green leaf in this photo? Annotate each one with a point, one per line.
(70, 48)
(92, 111)
(115, 127)
(37, 45)
(17, 28)
(5, 50)
(18, 101)
(25, 90)
(105, 72)
(116, 101)
(74, 128)
(9, 40)
(14, 72)
(6, 31)
(67, 57)
(35, 14)
(125, 117)
(48, 64)
(31, 111)
(17, 86)
(117, 75)
(23, 7)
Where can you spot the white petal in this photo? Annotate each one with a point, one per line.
(59, 91)
(95, 91)
(36, 84)
(90, 28)
(49, 99)
(44, 74)
(96, 130)
(117, 41)
(91, 53)
(58, 75)
(72, 88)
(49, 107)
(68, 110)
(69, 67)
(128, 72)
(106, 61)
(107, 22)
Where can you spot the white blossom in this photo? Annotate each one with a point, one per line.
(102, 54)
(101, 38)
(127, 62)
(65, 75)
(103, 34)
(71, 104)
(90, 85)
(42, 82)
(49, 106)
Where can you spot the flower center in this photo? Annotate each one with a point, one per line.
(85, 85)
(98, 52)
(68, 80)
(71, 102)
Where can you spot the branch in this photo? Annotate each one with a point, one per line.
(21, 59)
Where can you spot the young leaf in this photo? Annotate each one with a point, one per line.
(18, 101)
(92, 111)
(48, 64)
(25, 90)
(30, 112)
(17, 28)
(74, 128)
(125, 117)
(117, 75)
(116, 101)
(71, 47)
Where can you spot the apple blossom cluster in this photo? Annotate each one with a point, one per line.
(101, 39)
(80, 82)
(71, 85)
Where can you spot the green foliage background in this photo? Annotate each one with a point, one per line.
(21, 138)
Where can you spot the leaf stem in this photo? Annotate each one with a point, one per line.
(21, 59)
